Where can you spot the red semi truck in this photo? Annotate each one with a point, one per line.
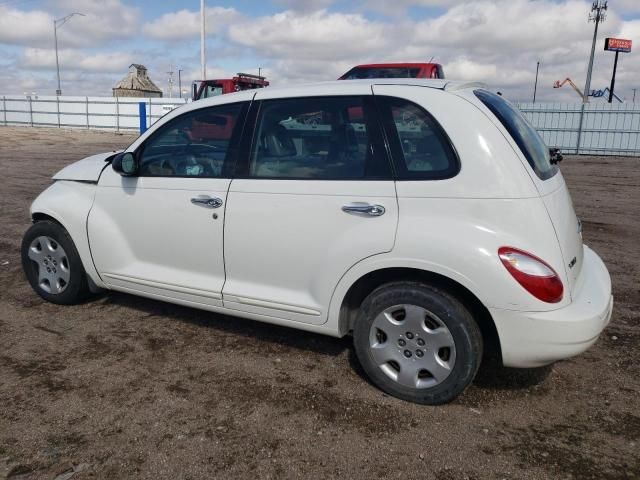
(211, 88)
(394, 70)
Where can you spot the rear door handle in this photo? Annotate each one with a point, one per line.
(364, 208)
(207, 201)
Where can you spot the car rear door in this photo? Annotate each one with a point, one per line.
(314, 196)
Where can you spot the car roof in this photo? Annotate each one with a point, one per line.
(333, 87)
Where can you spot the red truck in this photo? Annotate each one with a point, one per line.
(211, 88)
(394, 70)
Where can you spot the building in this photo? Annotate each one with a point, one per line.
(136, 84)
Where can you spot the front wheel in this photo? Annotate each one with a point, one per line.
(417, 342)
(52, 264)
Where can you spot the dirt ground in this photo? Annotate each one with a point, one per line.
(123, 387)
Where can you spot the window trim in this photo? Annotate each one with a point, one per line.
(374, 126)
(546, 175)
(392, 140)
(232, 151)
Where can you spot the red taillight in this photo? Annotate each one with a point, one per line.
(535, 275)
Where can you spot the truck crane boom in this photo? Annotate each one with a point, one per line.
(558, 84)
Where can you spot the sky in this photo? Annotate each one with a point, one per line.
(293, 41)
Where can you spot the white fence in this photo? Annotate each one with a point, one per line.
(111, 113)
(594, 128)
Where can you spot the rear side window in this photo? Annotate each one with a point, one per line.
(526, 137)
(319, 138)
(420, 148)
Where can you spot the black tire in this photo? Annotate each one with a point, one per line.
(463, 330)
(77, 288)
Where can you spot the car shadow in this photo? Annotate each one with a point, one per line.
(251, 329)
(491, 374)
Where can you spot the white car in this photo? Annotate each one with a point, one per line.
(424, 217)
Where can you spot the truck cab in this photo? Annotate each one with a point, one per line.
(242, 81)
(394, 70)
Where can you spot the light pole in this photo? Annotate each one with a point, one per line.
(203, 59)
(57, 24)
(535, 85)
(597, 15)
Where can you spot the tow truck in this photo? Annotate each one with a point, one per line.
(211, 88)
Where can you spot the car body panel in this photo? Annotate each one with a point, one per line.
(302, 242)
(86, 170)
(69, 204)
(133, 248)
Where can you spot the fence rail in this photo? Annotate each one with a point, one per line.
(593, 128)
(110, 113)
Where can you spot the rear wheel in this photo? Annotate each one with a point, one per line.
(52, 264)
(417, 342)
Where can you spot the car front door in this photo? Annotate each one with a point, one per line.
(313, 196)
(160, 233)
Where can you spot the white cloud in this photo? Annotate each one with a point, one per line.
(70, 60)
(185, 24)
(318, 35)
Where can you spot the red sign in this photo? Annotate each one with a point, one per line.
(617, 44)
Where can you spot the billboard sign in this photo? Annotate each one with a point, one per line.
(617, 45)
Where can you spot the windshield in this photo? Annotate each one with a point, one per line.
(528, 139)
(381, 72)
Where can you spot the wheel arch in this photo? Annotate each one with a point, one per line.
(368, 282)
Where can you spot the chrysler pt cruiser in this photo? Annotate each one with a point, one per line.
(426, 218)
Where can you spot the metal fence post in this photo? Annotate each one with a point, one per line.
(58, 108)
(117, 115)
(30, 111)
(4, 109)
(580, 129)
(87, 109)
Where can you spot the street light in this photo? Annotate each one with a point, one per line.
(57, 24)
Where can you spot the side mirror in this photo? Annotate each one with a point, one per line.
(555, 156)
(125, 164)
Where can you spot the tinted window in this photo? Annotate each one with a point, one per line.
(381, 72)
(195, 144)
(318, 138)
(421, 149)
(527, 138)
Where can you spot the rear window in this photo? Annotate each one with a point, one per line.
(381, 72)
(528, 139)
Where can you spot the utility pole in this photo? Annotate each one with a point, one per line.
(180, 81)
(57, 23)
(597, 15)
(634, 95)
(535, 85)
(170, 72)
(203, 60)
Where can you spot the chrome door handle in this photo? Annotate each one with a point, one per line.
(367, 209)
(206, 201)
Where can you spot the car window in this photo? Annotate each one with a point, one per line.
(318, 138)
(381, 72)
(528, 139)
(195, 144)
(420, 148)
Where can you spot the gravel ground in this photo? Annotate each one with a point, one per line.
(124, 387)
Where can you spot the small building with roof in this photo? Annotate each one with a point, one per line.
(136, 84)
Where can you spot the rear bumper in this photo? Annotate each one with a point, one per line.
(533, 339)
